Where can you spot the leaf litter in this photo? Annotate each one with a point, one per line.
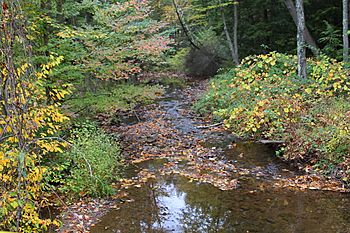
(166, 131)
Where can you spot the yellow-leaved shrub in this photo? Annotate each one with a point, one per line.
(29, 124)
(263, 98)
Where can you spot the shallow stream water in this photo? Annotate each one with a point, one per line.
(171, 203)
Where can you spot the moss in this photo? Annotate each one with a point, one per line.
(173, 82)
(120, 97)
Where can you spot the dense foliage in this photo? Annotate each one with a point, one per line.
(92, 162)
(28, 129)
(98, 39)
(51, 49)
(263, 26)
(85, 58)
(264, 98)
(121, 40)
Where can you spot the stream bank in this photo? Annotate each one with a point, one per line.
(183, 178)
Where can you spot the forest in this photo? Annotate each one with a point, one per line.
(174, 116)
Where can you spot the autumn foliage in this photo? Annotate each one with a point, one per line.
(28, 127)
(124, 41)
(264, 98)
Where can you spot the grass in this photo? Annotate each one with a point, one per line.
(120, 97)
(89, 167)
(173, 82)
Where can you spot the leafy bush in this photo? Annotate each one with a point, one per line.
(249, 99)
(177, 62)
(264, 98)
(92, 163)
(205, 62)
(323, 137)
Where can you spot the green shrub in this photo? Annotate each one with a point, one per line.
(323, 135)
(254, 99)
(177, 62)
(92, 163)
(264, 98)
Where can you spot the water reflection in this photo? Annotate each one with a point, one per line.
(172, 204)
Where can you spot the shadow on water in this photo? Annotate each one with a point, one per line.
(171, 203)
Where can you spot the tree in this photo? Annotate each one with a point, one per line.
(28, 125)
(235, 28)
(308, 38)
(184, 25)
(345, 30)
(108, 41)
(231, 43)
(301, 51)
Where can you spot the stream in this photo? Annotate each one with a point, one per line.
(172, 202)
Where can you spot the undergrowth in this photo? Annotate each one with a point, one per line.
(93, 161)
(91, 164)
(263, 98)
(119, 97)
(173, 82)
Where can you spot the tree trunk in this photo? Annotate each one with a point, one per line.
(228, 37)
(233, 45)
(300, 39)
(345, 31)
(308, 38)
(184, 26)
(59, 14)
(235, 28)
